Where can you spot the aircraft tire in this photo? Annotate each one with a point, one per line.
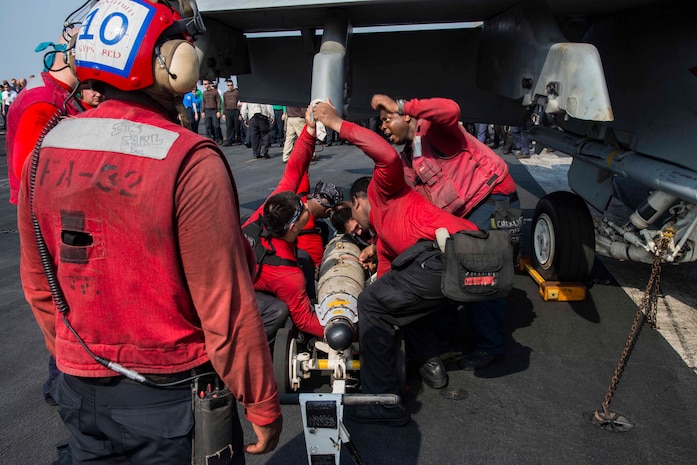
(282, 358)
(563, 238)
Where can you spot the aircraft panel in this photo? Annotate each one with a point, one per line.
(653, 92)
(281, 15)
(403, 64)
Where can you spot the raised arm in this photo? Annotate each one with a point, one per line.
(300, 158)
(442, 113)
(389, 174)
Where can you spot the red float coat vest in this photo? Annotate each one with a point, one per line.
(108, 177)
(43, 97)
(456, 182)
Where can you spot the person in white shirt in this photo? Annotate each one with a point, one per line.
(8, 96)
(258, 117)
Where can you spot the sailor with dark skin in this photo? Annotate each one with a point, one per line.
(403, 296)
(456, 172)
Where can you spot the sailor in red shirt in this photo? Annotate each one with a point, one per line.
(285, 214)
(46, 99)
(314, 236)
(441, 160)
(457, 172)
(287, 282)
(403, 295)
(41, 104)
(324, 197)
(90, 94)
(343, 221)
(139, 277)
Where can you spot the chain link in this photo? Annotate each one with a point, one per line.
(646, 315)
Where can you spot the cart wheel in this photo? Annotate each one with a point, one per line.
(282, 359)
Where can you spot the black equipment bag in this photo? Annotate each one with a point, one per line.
(477, 265)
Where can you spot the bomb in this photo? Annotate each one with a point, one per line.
(341, 280)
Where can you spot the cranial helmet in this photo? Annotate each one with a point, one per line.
(135, 44)
(327, 194)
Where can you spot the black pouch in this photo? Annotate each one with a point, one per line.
(477, 265)
(409, 255)
(214, 411)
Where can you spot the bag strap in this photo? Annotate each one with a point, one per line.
(476, 233)
(442, 235)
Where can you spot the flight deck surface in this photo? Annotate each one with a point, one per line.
(533, 407)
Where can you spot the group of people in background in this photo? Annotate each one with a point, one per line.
(261, 126)
(213, 107)
(10, 91)
(258, 126)
(511, 139)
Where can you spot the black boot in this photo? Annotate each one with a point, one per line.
(433, 373)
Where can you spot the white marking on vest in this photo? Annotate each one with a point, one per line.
(416, 152)
(111, 135)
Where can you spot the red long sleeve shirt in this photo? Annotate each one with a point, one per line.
(398, 214)
(288, 282)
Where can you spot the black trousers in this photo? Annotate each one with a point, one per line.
(403, 298)
(260, 134)
(232, 126)
(116, 420)
(274, 313)
(212, 125)
(277, 133)
(192, 120)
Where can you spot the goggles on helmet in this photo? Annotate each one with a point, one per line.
(299, 209)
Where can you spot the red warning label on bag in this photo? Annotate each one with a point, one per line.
(482, 280)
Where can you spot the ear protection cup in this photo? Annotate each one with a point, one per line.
(176, 68)
(69, 55)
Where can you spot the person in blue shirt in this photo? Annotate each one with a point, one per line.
(193, 108)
